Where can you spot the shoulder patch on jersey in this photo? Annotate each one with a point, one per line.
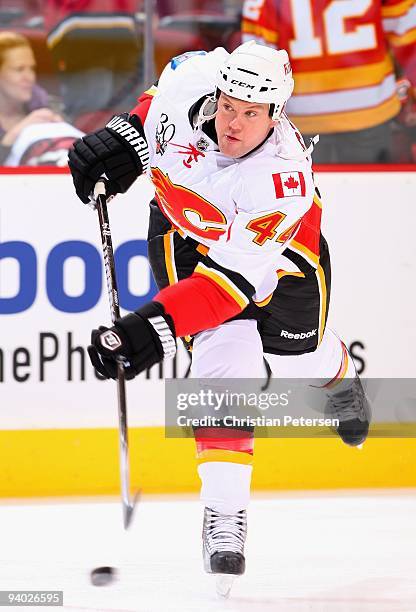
(289, 184)
(178, 59)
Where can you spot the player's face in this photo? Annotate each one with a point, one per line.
(241, 126)
(17, 74)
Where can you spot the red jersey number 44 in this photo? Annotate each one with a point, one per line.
(289, 184)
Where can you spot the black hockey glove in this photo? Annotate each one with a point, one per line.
(140, 339)
(119, 152)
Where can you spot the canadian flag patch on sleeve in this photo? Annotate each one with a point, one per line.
(289, 184)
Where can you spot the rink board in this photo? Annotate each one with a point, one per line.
(85, 462)
(57, 421)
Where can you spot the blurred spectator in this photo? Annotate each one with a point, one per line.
(341, 55)
(25, 118)
(97, 52)
(405, 132)
(22, 101)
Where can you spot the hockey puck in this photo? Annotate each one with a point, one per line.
(102, 576)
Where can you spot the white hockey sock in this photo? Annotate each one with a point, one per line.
(231, 350)
(225, 486)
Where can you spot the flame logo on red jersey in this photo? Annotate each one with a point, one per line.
(188, 210)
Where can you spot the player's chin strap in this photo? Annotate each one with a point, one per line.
(313, 141)
(304, 154)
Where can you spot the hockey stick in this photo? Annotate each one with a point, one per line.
(110, 274)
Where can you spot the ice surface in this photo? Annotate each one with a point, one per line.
(305, 552)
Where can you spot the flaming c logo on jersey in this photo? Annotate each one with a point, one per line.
(187, 209)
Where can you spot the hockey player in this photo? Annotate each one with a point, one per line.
(236, 249)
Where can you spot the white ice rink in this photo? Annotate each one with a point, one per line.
(313, 552)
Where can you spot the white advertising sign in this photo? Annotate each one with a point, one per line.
(369, 221)
(53, 291)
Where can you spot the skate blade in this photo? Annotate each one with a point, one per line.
(223, 584)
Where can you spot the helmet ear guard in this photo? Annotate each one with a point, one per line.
(256, 73)
(208, 109)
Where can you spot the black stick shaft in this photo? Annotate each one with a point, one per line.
(108, 254)
(110, 273)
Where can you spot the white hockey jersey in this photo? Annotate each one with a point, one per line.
(245, 211)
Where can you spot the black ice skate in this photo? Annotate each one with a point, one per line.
(223, 538)
(348, 403)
